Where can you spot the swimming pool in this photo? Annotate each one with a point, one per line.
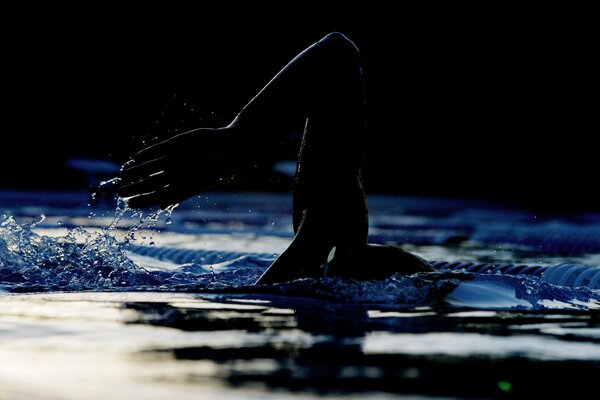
(94, 305)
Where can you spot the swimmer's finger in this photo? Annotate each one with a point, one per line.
(155, 151)
(163, 197)
(132, 173)
(144, 200)
(150, 184)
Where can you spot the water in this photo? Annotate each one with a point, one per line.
(165, 307)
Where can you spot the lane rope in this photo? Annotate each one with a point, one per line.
(563, 274)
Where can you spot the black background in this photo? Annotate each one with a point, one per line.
(482, 103)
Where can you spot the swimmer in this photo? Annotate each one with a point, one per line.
(322, 87)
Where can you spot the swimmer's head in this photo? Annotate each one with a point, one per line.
(372, 262)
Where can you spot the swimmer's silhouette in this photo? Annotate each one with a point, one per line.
(322, 86)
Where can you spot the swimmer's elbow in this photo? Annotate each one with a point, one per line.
(339, 41)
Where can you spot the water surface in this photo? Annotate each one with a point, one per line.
(93, 307)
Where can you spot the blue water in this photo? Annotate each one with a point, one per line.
(165, 304)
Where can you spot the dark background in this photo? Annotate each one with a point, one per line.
(479, 103)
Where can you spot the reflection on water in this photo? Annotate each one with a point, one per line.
(169, 345)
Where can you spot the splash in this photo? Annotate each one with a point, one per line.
(82, 260)
(77, 261)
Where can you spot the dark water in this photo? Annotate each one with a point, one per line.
(94, 307)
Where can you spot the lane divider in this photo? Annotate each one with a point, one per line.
(564, 274)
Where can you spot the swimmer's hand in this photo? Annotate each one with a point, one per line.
(169, 172)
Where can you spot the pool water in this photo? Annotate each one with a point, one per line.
(96, 302)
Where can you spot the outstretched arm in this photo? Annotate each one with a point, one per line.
(185, 165)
